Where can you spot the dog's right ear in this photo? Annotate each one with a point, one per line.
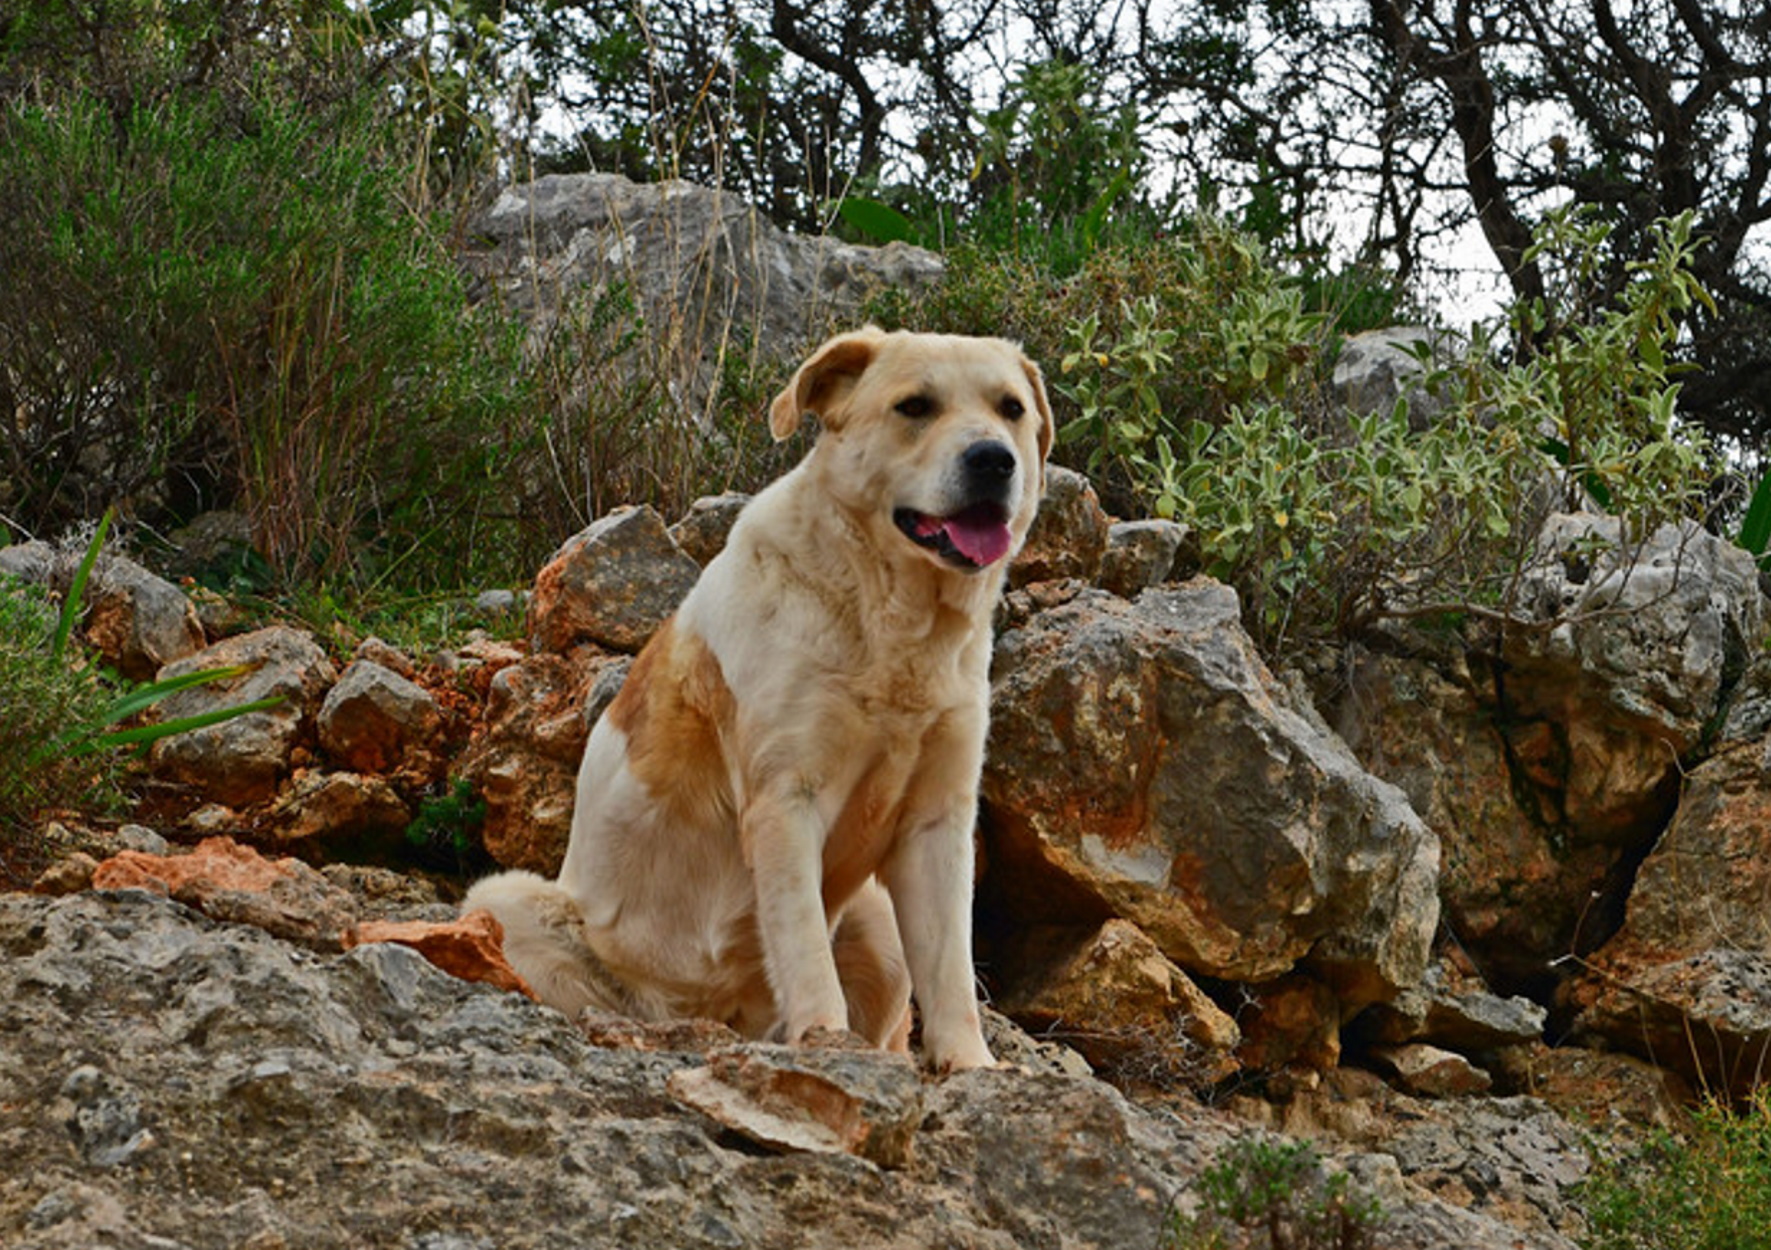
(823, 381)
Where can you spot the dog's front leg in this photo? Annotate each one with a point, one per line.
(929, 877)
(784, 840)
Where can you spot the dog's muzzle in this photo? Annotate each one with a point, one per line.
(977, 535)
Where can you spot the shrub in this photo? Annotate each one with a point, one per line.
(1274, 1195)
(1707, 1190)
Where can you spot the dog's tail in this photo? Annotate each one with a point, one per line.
(545, 941)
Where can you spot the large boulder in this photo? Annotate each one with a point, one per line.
(166, 1079)
(1686, 982)
(1145, 764)
(698, 261)
(242, 761)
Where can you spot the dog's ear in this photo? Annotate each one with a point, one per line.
(1047, 426)
(824, 380)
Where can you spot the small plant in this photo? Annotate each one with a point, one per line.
(59, 744)
(1708, 1189)
(447, 832)
(1263, 1194)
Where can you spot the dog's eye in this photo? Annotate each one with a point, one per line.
(915, 406)
(1011, 408)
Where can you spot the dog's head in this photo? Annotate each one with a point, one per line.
(941, 438)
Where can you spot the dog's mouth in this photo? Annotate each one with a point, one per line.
(973, 538)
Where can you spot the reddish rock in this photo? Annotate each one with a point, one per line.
(1293, 1022)
(1069, 536)
(471, 947)
(524, 762)
(230, 882)
(1431, 1072)
(318, 808)
(702, 532)
(1596, 1087)
(374, 718)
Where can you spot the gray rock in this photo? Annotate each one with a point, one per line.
(261, 1094)
(1144, 763)
(372, 717)
(1458, 1017)
(1139, 555)
(613, 584)
(696, 259)
(32, 561)
(1378, 367)
(702, 532)
(241, 761)
(1069, 536)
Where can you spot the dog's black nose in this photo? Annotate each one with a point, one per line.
(988, 463)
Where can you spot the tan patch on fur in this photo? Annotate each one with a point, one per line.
(672, 710)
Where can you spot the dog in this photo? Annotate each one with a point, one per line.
(774, 818)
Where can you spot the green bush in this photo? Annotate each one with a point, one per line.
(1709, 1189)
(1264, 1194)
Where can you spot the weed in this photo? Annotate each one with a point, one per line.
(447, 832)
(1264, 1194)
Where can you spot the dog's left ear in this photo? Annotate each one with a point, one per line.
(1047, 426)
(824, 380)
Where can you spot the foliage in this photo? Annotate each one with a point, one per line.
(1709, 1189)
(1323, 528)
(57, 741)
(447, 831)
(1266, 1194)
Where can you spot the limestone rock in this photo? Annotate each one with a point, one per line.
(1601, 709)
(227, 881)
(1432, 1072)
(861, 1102)
(138, 620)
(1376, 368)
(613, 584)
(701, 534)
(524, 762)
(374, 717)
(1602, 1088)
(693, 257)
(1291, 1022)
(1139, 555)
(470, 947)
(1446, 1010)
(368, 1098)
(1144, 764)
(1069, 536)
(1115, 998)
(319, 808)
(241, 761)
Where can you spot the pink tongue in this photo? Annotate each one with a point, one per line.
(979, 535)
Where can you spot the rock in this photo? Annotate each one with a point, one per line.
(368, 1098)
(1377, 367)
(1069, 536)
(470, 947)
(612, 584)
(212, 544)
(1517, 892)
(374, 718)
(692, 257)
(1445, 1009)
(331, 809)
(238, 762)
(379, 651)
(524, 762)
(701, 534)
(1432, 1072)
(1290, 1022)
(139, 621)
(1139, 555)
(1600, 711)
(1705, 1016)
(230, 882)
(1696, 939)
(68, 875)
(1144, 764)
(1117, 1000)
(861, 1102)
(1612, 1092)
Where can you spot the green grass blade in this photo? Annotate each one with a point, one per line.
(1755, 530)
(70, 608)
(144, 697)
(143, 734)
